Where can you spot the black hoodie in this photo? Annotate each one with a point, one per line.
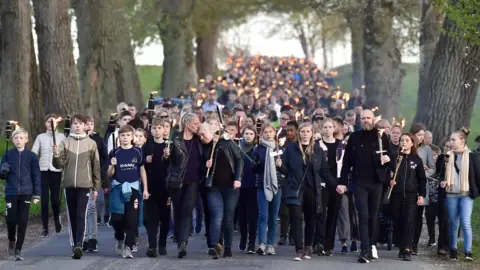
(411, 176)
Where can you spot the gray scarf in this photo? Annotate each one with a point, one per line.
(270, 183)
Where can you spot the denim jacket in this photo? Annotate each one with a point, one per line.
(23, 177)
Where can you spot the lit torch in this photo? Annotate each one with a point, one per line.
(172, 125)
(9, 126)
(151, 108)
(403, 122)
(53, 125)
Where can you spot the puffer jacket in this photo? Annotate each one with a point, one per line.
(23, 176)
(43, 148)
(259, 153)
(78, 156)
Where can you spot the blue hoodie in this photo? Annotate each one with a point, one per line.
(23, 177)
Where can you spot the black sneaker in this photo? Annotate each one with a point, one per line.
(162, 250)
(11, 248)
(283, 241)
(243, 245)
(251, 249)
(328, 253)
(77, 253)
(58, 226)
(151, 252)
(344, 249)
(400, 254)
(414, 251)
(92, 245)
(406, 256)
(291, 242)
(212, 252)
(18, 255)
(431, 243)
(362, 259)
(468, 257)
(182, 250)
(44, 233)
(353, 247)
(86, 246)
(319, 250)
(453, 254)
(227, 253)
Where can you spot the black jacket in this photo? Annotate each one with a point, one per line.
(259, 153)
(103, 155)
(473, 173)
(235, 158)
(411, 176)
(179, 159)
(295, 170)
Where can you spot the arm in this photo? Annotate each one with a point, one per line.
(58, 161)
(238, 158)
(347, 160)
(143, 178)
(36, 145)
(284, 169)
(95, 160)
(430, 163)
(476, 168)
(110, 143)
(35, 174)
(421, 179)
(111, 167)
(324, 169)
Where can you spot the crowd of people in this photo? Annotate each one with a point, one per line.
(272, 139)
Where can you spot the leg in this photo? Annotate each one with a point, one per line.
(44, 198)
(206, 213)
(343, 221)
(465, 212)
(131, 219)
(55, 186)
(92, 219)
(431, 211)
(297, 221)
(443, 235)
(410, 206)
(262, 217)
(361, 196)
(453, 216)
(374, 203)
(320, 221)
(397, 207)
(81, 211)
(216, 209)
(274, 207)
(11, 216)
(153, 213)
(164, 220)
(71, 205)
(332, 216)
(100, 204)
(243, 219)
(309, 212)
(418, 226)
(252, 215)
(22, 219)
(189, 197)
(230, 198)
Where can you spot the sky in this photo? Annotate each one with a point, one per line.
(254, 34)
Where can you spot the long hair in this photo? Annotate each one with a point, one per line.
(309, 150)
(412, 138)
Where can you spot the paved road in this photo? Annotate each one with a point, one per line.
(54, 253)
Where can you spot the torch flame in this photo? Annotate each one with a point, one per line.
(154, 92)
(297, 115)
(378, 118)
(56, 121)
(199, 102)
(374, 109)
(403, 122)
(14, 124)
(380, 131)
(279, 131)
(346, 96)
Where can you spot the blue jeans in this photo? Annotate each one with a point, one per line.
(460, 213)
(221, 204)
(268, 214)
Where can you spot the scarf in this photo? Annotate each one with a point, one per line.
(463, 173)
(246, 146)
(340, 154)
(270, 183)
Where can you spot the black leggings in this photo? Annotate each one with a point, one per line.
(183, 203)
(248, 214)
(125, 225)
(308, 209)
(50, 191)
(434, 210)
(158, 213)
(18, 208)
(418, 225)
(403, 212)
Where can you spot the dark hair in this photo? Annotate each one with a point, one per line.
(80, 118)
(292, 123)
(477, 139)
(463, 133)
(412, 138)
(272, 116)
(349, 113)
(251, 128)
(232, 124)
(417, 127)
(90, 118)
(50, 115)
(131, 105)
(435, 148)
(158, 122)
(123, 114)
(338, 120)
(126, 129)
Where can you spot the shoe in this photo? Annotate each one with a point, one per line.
(212, 252)
(127, 253)
(406, 256)
(86, 246)
(299, 256)
(251, 249)
(219, 248)
(134, 248)
(227, 253)
(58, 226)
(92, 245)
(319, 250)
(151, 253)
(19, 257)
(270, 250)
(442, 252)
(344, 249)
(182, 250)
(353, 247)
(291, 242)
(431, 243)
(243, 245)
(307, 253)
(328, 253)
(468, 257)
(198, 229)
(374, 252)
(120, 247)
(11, 248)
(190, 234)
(44, 233)
(414, 251)
(261, 250)
(400, 253)
(137, 241)
(283, 241)
(362, 259)
(453, 254)
(77, 253)
(162, 250)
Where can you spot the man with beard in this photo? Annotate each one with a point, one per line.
(367, 155)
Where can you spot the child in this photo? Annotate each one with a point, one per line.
(21, 169)
(50, 178)
(269, 189)
(122, 120)
(140, 138)
(126, 169)
(78, 157)
(157, 206)
(93, 215)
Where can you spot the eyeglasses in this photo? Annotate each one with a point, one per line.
(163, 116)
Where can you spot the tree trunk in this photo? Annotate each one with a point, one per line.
(303, 42)
(55, 53)
(356, 35)
(206, 52)
(177, 39)
(324, 49)
(37, 110)
(106, 66)
(447, 98)
(15, 69)
(382, 59)
(430, 27)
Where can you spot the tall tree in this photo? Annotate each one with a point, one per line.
(382, 58)
(354, 16)
(37, 108)
(15, 68)
(55, 53)
(206, 52)
(106, 66)
(447, 98)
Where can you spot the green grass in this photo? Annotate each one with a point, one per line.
(150, 78)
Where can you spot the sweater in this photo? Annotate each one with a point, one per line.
(42, 147)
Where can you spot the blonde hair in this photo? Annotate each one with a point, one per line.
(307, 152)
(186, 118)
(267, 125)
(20, 131)
(326, 120)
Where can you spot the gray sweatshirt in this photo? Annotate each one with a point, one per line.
(426, 154)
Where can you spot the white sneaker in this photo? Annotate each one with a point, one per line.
(261, 250)
(127, 253)
(374, 252)
(134, 248)
(270, 250)
(119, 248)
(297, 259)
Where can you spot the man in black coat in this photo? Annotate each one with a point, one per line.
(367, 156)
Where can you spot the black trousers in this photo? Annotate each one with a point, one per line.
(157, 213)
(333, 203)
(353, 214)
(76, 200)
(285, 220)
(308, 209)
(183, 203)
(418, 225)
(50, 191)
(248, 215)
(321, 221)
(368, 199)
(438, 210)
(125, 225)
(16, 217)
(403, 212)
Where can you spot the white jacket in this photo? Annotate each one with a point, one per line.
(43, 148)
